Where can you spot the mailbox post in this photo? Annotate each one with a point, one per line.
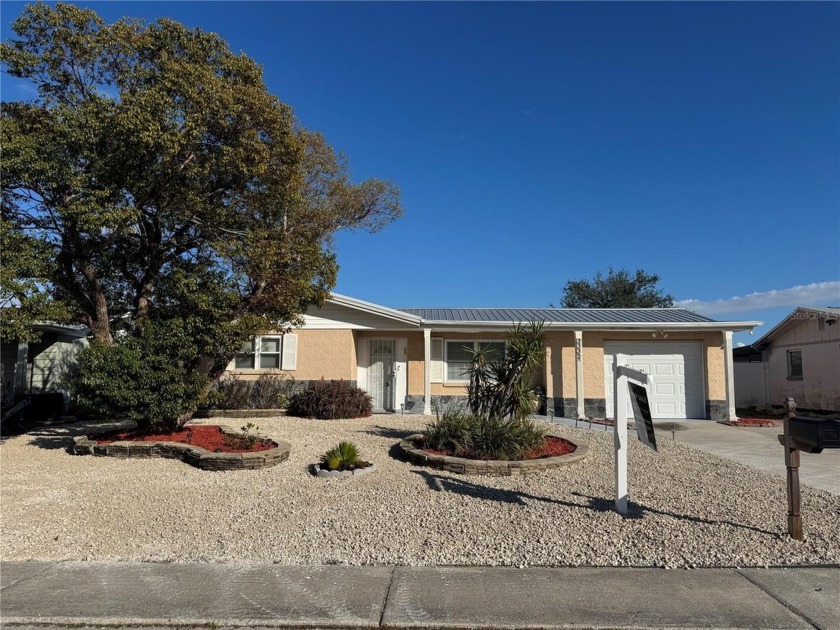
(811, 435)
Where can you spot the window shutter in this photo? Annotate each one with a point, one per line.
(289, 352)
(437, 360)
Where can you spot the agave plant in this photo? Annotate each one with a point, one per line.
(344, 456)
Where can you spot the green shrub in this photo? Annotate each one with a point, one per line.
(344, 456)
(141, 378)
(328, 400)
(502, 396)
(475, 437)
(269, 391)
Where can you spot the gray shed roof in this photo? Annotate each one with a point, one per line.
(559, 315)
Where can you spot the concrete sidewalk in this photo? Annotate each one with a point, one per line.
(151, 595)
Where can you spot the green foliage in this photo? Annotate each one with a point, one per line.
(503, 387)
(269, 391)
(619, 289)
(155, 178)
(501, 396)
(23, 273)
(344, 456)
(250, 436)
(328, 400)
(477, 437)
(140, 378)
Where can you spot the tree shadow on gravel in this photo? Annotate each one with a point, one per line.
(390, 433)
(441, 483)
(635, 511)
(57, 437)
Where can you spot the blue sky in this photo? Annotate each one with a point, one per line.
(536, 143)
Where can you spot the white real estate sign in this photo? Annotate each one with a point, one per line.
(621, 384)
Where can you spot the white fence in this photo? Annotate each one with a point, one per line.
(752, 384)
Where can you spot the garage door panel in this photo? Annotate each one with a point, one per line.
(677, 371)
(664, 389)
(664, 369)
(667, 409)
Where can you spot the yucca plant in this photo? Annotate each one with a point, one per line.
(502, 387)
(501, 398)
(344, 456)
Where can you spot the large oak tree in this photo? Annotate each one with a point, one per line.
(619, 289)
(155, 176)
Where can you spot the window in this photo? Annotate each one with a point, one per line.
(459, 356)
(274, 352)
(794, 364)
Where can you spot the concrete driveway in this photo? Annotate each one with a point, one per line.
(757, 447)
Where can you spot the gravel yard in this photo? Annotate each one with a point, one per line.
(688, 508)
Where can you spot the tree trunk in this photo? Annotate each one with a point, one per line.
(98, 319)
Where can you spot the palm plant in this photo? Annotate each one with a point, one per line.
(344, 456)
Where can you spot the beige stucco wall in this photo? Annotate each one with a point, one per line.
(330, 354)
(819, 387)
(593, 360)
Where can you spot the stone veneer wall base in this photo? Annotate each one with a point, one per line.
(716, 409)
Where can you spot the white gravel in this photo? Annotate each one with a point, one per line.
(688, 508)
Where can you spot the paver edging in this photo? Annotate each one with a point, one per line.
(193, 455)
(490, 467)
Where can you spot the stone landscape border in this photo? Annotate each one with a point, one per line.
(490, 467)
(193, 455)
(339, 474)
(240, 413)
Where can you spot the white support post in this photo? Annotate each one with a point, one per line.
(581, 410)
(620, 434)
(427, 371)
(731, 414)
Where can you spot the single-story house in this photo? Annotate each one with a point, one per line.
(800, 357)
(41, 366)
(413, 359)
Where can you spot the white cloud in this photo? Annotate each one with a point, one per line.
(816, 294)
(740, 344)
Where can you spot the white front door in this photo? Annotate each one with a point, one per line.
(677, 371)
(381, 373)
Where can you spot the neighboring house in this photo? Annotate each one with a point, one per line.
(800, 357)
(414, 359)
(43, 365)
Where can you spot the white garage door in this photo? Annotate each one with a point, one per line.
(677, 371)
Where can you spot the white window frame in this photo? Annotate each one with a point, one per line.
(465, 342)
(794, 377)
(257, 353)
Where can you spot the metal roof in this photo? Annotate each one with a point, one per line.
(559, 315)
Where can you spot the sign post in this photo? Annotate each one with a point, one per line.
(644, 424)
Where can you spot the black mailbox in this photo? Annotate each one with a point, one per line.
(816, 432)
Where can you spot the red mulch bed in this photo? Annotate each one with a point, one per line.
(207, 437)
(753, 422)
(554, 447)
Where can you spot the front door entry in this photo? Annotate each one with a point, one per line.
(382, 373)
